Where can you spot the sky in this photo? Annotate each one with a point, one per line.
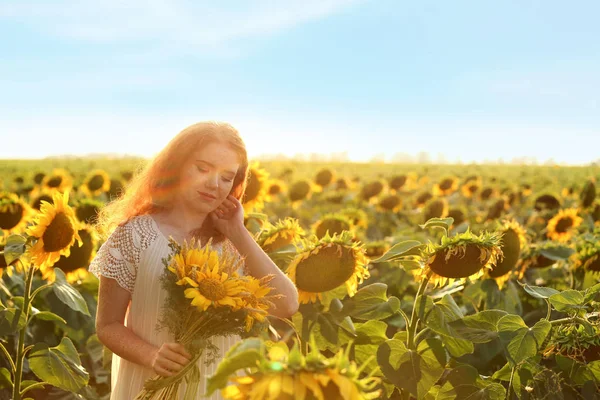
(463, 81)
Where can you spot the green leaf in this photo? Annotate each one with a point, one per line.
(524, 342)
(539, 292)
(413, 370)
(557, 253)
(14, 248)
(568, 301)
(402, 249)
(574, 370)
(479, 328)
(590, 293)
(94, 348)
(5, 378)
(511, 323)
(369, 336)
(67, 294)
(443, 223)
(372, 303)
(60, 366)
(11, 320)
(49, 316)
(244, 354)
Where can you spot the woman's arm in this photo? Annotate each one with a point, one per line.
(259, 264)
(110, 316)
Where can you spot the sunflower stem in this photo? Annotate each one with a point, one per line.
(406, 320)
(549, 310)
(414, 319)
(36, 291)
(21, 344)
(421, 334)
(510, 382)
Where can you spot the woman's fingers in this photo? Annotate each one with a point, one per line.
(163, 372)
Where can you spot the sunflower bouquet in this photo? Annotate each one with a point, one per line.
(206, 297)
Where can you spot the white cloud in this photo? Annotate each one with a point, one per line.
(201, 24)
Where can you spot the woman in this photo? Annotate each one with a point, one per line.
(192, 188)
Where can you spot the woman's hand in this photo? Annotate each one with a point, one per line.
(229, 216)
(169, 359)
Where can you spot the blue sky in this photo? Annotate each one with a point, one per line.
(463, 80)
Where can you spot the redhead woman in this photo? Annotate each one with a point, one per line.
(191, 189)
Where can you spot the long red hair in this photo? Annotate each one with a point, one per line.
(153, 187)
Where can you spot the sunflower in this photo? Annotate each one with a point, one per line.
(300, 190)
(96, 183)
(371, 189)
(458, 215)
(526, 189)
(436, 208)
(335, 197)
(401, 182)
(283, 374)
(562, 225)
(357, 216)
(256, 188)
(255, 222)
(14, 214)
(281, 234)
(343, 184)
(116, 189)
(127, 175)
(587, 255)
(422, 198)
(214, 280)
(275, 187)
(324, 177)
(446, 186)
(497, 209)
(60, 180)
(76, 263)
(546, 202)
(376, 249)
(487, 193)
(38, 178)
(588, 193)
(328, 264)
(332, 224)
(40, 194)
(86, 210)
(513, 241)
(533, 255)
(460, 257)
(257, 299)
(55, 229)
(391, 202)
(469, 188)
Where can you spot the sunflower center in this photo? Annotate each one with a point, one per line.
(80, 257)
(58, 234)
(95, 183)
(54, 182)
(11, 216)
(564, 224)
(252, 188)
(299, 191)
(459, 265)
(37, 203)
(446, 184)
(212, 289)
(326, 270)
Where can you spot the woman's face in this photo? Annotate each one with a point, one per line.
(207, 177)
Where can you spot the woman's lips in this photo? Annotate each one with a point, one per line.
(207, 196)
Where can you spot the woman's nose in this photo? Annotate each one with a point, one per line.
(213, 181)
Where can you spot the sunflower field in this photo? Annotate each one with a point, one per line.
(415, 281)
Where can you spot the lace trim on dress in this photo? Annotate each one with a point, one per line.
(118, 258)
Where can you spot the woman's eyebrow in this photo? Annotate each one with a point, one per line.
(213, 165)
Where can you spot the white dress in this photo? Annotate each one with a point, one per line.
(132, 255)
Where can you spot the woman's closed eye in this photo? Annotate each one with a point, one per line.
(205, 170)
